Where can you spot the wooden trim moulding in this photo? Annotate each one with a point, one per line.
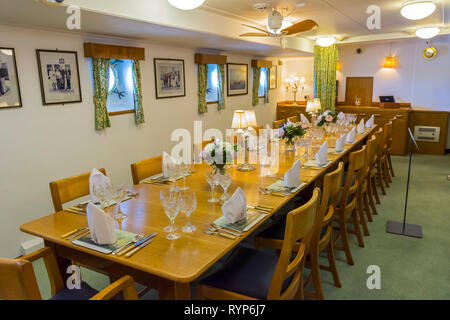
(117, 113)
(107, 51)
(201, 58)
(261, 64)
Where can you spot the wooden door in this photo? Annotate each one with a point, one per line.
(361, 87)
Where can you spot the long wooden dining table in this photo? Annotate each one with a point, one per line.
(170, 266)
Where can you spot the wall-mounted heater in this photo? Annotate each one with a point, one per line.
(423, 133)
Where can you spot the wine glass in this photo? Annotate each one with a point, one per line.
(170, 201)
(185, 169)
(103, 192)
(224, 181)
(211, 178)
(188, 204)
(119, 192)
(305, 142)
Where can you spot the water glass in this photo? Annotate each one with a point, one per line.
(170, 201)
(188, 204)
(185, 169)
(224, 181)
(211, 178)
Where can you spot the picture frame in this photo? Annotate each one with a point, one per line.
(10, 96)
(237, 79)
(59, 76)
(273, 77)
(170, 80)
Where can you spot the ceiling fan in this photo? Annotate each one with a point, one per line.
(275, 23)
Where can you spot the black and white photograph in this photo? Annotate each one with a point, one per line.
(59, 75)
(169, 78)
(9, 82)
(237, 79)
(273, 77)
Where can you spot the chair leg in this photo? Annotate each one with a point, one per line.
(370, 196)
(315, 271)
(391, 168)
(385, 173)
(374, 190)
(362, 218)
(346, 243)
(332, 264)
(386, 166)
(358, 233)
(380, 178)
(366, 206)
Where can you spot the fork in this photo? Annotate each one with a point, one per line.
(215, 227)
(136, 239)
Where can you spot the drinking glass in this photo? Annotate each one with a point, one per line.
(211, 178)
(185, 169)
(188, 204)
(103, 192)
(119, 192)
(170, 201)
(224, 181)
(306, 142)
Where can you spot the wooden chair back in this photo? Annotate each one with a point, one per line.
(379, 144)
(299, 226)
(146, 168)
(371, 153)
(387, 137)
(278, 124)
(353, 180)
(69, 189)
(293, 119)
(330, 195)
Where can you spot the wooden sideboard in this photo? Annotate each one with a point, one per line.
(286, 109)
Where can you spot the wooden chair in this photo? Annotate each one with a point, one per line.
(380, 170)
(321, 238)
(18, 281)
(146, 168)
(346, 211)
(293, 119)
(278, 124)
(389, 148)
(387, 143)
(363, 198)
(69, 189)
(252, 274)
(373, 177)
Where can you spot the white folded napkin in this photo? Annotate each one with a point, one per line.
(370, 123)
(235, 208)
(99, 178)
(322, 155)
(360, 127)
(341, 116)
(292, 176)
(340, 143)
(101, 225)
(351, 136)
(303, 119)
(168, 164)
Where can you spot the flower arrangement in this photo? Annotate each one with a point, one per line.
(326, 117)
(218, 154)
(290, 131)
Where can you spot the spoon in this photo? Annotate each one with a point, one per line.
(137, 238)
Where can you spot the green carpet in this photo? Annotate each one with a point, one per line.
(410, 268)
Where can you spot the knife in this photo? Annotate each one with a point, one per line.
(137, 244)
(129, 254)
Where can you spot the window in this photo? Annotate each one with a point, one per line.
(121, 91)
(262, 82)
(212, 95)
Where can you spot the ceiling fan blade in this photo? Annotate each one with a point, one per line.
(302, 26)
(254, 34)
(256, 28)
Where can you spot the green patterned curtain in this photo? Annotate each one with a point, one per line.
(202, 85)
(266, 88)
(325, 60)
(137, 84)
(221, 86)
(256, 77)
(100, 70)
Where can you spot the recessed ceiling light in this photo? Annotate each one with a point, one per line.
(326, 41)
(427, 33)
(186, 4)
(416, 10)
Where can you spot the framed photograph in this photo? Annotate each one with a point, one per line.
(9, 81)
(273, 77)
(237, 79)
(169, 78)
(60, 76)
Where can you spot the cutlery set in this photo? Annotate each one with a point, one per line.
(273, 193)
(75, 233)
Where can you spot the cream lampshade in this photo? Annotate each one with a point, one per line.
(250, 118)
(317, 105)
(239, 120)
(310, 106)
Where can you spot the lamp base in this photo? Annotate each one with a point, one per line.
(246, 167)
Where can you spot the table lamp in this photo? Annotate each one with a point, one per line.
(241, 124)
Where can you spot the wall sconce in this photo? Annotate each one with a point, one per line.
(338, 66)
(389, 63)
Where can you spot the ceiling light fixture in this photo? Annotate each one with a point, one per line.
(326, 41)
(427, 33)
(186, 4)
(416, 10)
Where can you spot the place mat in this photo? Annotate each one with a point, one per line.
(160, 177)
(313, 164)
(82, 207)
(333, 151)
(252, 218)
(122, 237)
(278, 186)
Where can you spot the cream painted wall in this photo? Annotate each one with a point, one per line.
(41, 144)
